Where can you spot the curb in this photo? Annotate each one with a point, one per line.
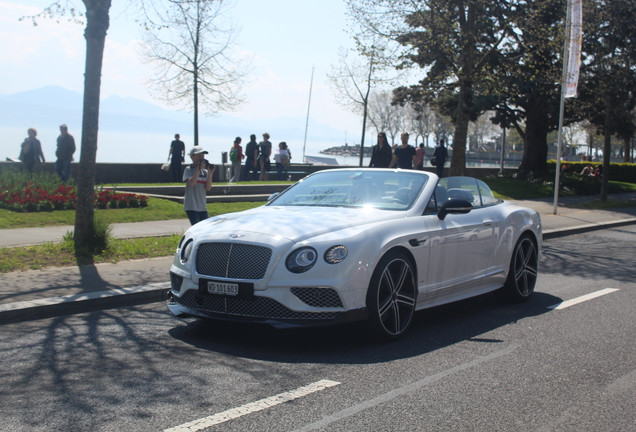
(100, 300)
(562, 232)
(80, 303)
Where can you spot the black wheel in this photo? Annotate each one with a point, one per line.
(391, 296)
(524, 266)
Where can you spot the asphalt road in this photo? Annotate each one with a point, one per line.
(478, 365)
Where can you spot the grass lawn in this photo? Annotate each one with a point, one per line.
(158, 209)
(61, 254)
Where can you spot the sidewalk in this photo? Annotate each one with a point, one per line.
(36, 294)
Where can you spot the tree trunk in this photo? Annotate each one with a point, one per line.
(196, 109)
(628, 150)
(458, 159)
(607, 149)
(97, 22)
(535, 150)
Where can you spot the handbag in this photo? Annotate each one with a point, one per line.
(166, 166)
(434, 161)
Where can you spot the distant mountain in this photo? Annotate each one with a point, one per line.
(50, 106)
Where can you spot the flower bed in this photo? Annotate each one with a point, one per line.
(33, 198)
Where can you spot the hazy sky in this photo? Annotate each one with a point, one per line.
(286, 37)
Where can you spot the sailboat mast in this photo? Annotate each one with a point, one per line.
(311, 84)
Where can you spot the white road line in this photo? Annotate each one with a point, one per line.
(348, 412)
(581, 299)
(253, 407)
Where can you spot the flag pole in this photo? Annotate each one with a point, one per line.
(311, 84)
(566, 55)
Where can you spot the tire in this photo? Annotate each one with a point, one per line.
(391, 296)
(522, 275)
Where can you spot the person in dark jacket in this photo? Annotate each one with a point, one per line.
(251, 159)
(440, 154)
(177, 157)
(31, 151)
(64, 153)
(382, 153)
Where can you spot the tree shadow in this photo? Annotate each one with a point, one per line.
(569, 256)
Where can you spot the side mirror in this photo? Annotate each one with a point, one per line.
(454, 206)
(273, 196)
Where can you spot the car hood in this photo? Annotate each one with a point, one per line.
(293, 223)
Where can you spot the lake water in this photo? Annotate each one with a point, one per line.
(124, 147)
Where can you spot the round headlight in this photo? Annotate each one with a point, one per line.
(336, 254)
(301, 260)
(187, 250)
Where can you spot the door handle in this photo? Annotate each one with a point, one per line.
(488, 222)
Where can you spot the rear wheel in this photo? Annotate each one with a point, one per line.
(524, 265)
(391, 296)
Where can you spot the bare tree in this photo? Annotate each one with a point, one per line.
(420, 118)
(353, 78)
(191, 44)
(380, 110)
(480, 130)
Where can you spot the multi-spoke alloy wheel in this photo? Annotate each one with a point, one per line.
(391, 296)
(524, 266)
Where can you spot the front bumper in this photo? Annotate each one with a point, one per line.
(258, 309)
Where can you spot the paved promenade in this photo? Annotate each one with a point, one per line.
(59, 291)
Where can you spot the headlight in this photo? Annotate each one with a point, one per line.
(336, 254)
(181, 242)
(187, 250)
(301, 260)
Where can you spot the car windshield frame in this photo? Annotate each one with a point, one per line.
(385, 189)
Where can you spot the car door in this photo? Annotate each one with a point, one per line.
(460, 248)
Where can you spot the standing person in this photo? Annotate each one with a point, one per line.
(382, 153)
(177, 157)
(440, 154)
(282, 159)
(198, 180)
(404, 155)
(236, 156)
(251, 159)
(31, 150)
(64, 153)
(420, 154)
(265, 148)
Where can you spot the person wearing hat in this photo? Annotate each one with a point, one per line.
(198, 180)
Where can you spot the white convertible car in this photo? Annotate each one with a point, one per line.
(355, 244)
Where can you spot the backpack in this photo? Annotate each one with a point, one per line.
(234, 155)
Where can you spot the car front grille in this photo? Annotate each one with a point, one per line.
(318, 297)
(233, 260)
(258, 307)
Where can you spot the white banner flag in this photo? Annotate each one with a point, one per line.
(576, 38)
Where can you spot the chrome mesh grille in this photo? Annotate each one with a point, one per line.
(258, 307)
(233, 260)
(318, 297)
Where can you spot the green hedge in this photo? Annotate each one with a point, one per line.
(620, 172)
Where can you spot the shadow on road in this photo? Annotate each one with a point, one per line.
(351, 344)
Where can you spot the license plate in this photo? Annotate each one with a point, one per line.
(223, 288)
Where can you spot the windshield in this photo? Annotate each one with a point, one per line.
(382, 189)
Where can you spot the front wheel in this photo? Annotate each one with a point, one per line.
(391, 296)
(524, 266)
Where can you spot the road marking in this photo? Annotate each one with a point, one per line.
(252, 407)
(348, 412)
(581, 299)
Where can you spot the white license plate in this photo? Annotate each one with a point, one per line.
(223, 288)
